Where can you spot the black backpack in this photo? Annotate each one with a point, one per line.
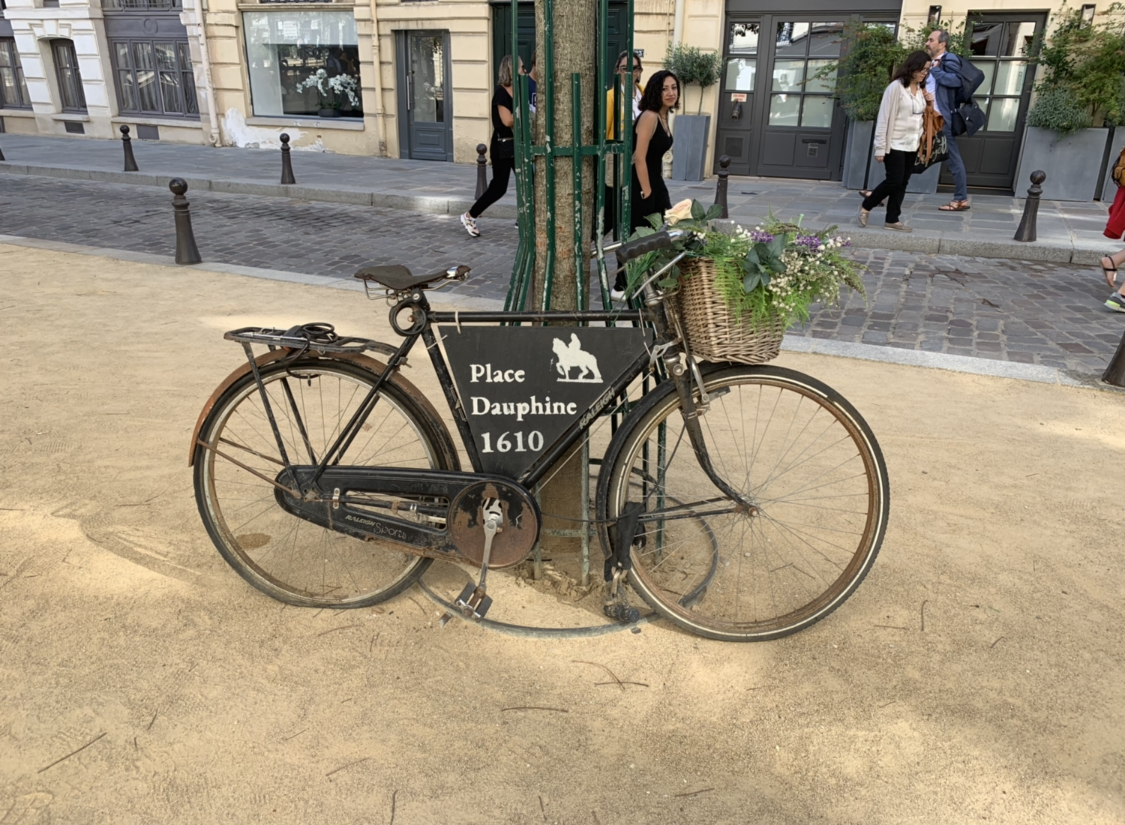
(971, 78)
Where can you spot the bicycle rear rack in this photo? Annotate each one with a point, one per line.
(314, 337)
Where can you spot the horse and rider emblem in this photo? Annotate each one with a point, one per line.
(569, 357)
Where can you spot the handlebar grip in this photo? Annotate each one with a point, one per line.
(642, 246)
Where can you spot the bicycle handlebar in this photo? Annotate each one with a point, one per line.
(649, 243)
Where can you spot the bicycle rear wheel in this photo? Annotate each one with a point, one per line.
(800, 453)
(288, 558)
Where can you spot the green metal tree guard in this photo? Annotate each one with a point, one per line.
(604, 151)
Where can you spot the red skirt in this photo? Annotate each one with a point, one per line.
(1115, 228)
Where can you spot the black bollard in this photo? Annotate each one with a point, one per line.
(286, 162)
(186, 250)
(1, 155)
(1115, 373)
(1026, 231)
(721, 186)
(482, 169)
(127, 143)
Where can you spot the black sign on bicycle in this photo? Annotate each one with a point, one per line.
(521, 387)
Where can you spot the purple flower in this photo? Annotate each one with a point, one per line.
(810, 242)
(757, 236)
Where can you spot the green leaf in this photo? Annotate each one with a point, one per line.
(751, 282)
(714, 212)
(667, 283)
(777, 245)
(698, 213)
(778, 266)
(656, 219)
(641, 232)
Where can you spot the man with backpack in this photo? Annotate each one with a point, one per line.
(944, 82)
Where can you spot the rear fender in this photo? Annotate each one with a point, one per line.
(368, 363)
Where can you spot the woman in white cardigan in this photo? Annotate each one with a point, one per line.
(898, 131)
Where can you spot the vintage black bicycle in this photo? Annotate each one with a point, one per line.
(741, 502)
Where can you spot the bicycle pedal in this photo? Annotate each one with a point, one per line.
(622, 613)
(473, 603)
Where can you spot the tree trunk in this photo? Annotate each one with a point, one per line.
(575, 48)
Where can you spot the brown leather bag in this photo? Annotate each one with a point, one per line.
(932, 124)
(1119, 169)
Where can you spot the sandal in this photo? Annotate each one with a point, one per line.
(955, 206)
(1110, 272)
(865, 193)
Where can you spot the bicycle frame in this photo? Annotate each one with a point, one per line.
(299, 486)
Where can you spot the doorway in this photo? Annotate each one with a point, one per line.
(999, 48)
(424, 101)
(777, 116)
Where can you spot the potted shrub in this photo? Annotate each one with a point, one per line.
(1079, 101)
(692, 66)
(740, 290)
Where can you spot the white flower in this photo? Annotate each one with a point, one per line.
(680, 212)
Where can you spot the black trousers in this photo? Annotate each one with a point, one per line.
(501, 172)
(899, 167)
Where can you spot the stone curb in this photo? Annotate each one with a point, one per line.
(791, 343)
(1049, 250)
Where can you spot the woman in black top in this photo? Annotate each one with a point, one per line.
(502, 150)
(653, 139)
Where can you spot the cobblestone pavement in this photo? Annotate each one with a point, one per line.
(1015, 311)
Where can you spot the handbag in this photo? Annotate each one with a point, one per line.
(1119, 169)
(968, 119)
(933, 147)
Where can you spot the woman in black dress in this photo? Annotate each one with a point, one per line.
(502, 150)
(653, 140)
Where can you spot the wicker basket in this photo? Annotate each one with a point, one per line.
(712, 331)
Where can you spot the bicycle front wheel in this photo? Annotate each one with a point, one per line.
(288, 558)
(802, 456)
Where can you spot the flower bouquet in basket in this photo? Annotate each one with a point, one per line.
(739, 289)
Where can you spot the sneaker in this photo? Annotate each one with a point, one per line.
(616, 294)
(863, 213)
(898, 227)
(1116, 302)
(470, 224)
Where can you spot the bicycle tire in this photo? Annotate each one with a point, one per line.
(287, 558)
(800, 556)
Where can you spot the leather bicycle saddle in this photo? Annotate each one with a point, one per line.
(399, 278)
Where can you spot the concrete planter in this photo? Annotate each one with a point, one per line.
(689, 151)
(1109, 189)
(857, 152)
(1072, 165)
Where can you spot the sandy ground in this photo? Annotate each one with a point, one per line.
(976, 675)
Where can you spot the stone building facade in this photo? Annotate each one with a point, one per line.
(413, 78)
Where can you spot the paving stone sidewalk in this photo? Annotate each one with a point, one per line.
(1033, 313)
(1067, 232)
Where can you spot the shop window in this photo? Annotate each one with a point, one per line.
(13, 89)
(66, 71)
(143, 5)
(303, 63)
(154, 77)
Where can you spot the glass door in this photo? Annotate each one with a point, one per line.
(424, 95)
(801, 135)
(999, 48)
(736, 96)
